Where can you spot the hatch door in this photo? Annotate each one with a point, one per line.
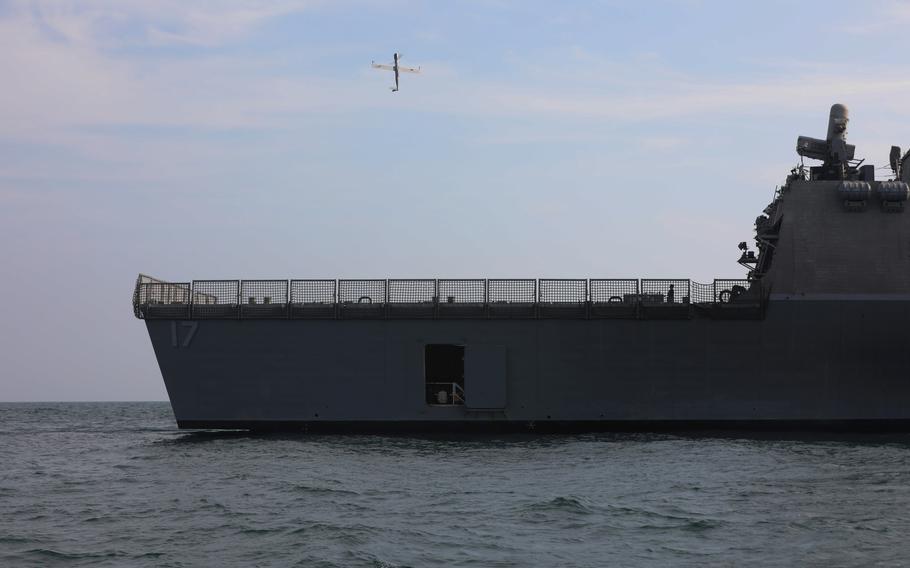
(485, 377)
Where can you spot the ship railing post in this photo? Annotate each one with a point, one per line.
(690, 308)
(436, 298)
(587, 298)
(385, 299)
(638, 298)
(239, 302)
(336, 302)
(536, 298)
(486, 297)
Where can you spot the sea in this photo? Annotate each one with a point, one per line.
(116, 484)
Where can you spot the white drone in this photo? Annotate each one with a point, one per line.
(397, 69)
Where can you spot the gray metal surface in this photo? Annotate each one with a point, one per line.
(825, 249)
(808, 360)
(485, 376)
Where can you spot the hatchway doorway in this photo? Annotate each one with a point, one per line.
(444, 374)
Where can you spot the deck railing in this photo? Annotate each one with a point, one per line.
(442, 298)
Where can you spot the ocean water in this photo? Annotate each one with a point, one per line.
(116, 484)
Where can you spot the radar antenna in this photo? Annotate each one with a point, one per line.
(895, 160)
(834, 151)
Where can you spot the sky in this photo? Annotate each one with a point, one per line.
(251, 139)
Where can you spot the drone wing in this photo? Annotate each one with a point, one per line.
(409, 69)
(380, 66)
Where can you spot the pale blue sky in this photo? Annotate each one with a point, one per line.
(243, 139)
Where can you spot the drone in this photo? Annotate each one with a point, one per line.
(396, 68)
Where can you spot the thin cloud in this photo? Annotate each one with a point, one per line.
(61, 90)
(893, 15)
(202, 22)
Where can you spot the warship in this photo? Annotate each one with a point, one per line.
(814, 337)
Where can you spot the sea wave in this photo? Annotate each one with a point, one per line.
(116, 485)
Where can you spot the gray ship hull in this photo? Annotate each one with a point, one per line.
(813, 337)
(809, 363)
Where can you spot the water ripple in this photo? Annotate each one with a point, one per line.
(116, 484)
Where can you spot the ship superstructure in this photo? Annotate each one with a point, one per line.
(814, 336)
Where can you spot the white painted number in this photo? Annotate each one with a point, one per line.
(190, 328)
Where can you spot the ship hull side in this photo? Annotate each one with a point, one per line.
(830, 364)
